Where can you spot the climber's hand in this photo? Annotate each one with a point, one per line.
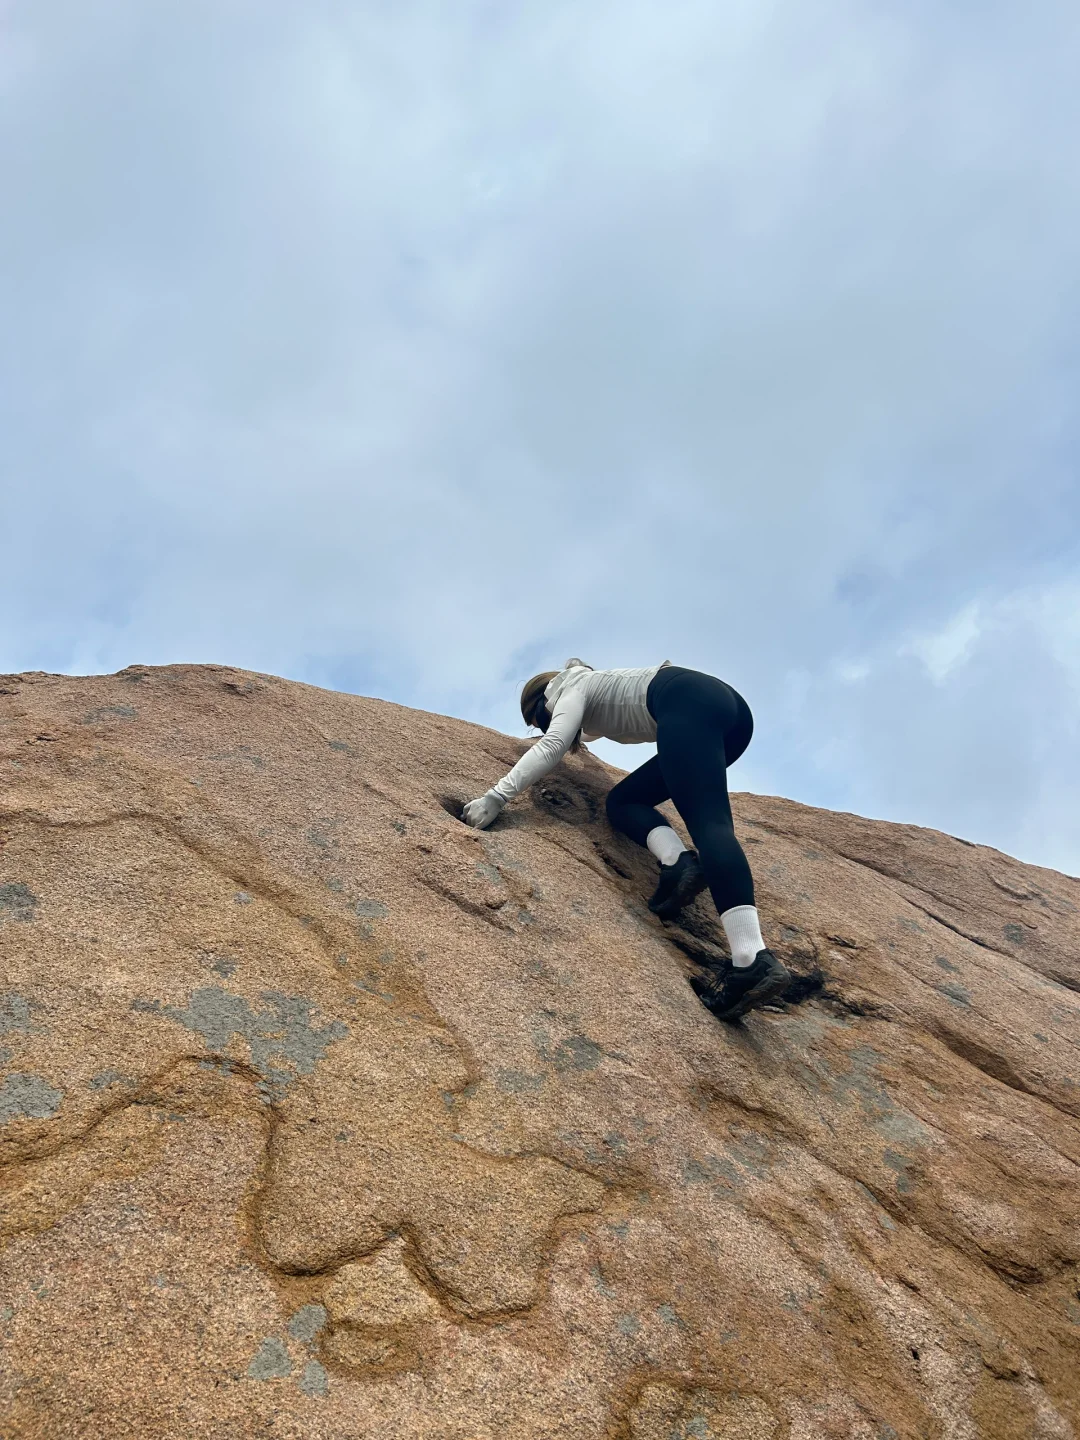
(480, 813)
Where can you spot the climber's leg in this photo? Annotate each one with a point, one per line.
(631, 804)
(701, 725)
(697, 718)
(631, 808)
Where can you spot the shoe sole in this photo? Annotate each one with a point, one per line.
(681, 897)
(774, 984)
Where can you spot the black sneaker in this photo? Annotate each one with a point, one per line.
(679, 883)
(729, 997)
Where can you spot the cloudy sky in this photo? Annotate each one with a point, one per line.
(408, 347)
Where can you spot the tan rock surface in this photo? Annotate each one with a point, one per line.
(324, 1116)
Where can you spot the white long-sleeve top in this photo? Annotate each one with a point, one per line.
(594, 703)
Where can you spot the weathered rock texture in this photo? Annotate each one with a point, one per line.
(323, 1115)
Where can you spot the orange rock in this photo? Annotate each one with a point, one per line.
(323, 1115)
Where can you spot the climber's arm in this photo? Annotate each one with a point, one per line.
(538, 760)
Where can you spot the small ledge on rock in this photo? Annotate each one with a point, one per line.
(381, 1290)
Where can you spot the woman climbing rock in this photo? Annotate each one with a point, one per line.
(701, 726)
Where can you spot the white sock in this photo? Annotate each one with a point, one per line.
(743, 930)
(665, 844)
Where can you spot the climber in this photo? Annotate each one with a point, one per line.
(701, 726)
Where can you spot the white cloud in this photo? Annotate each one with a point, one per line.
(412, 348)
(941, 651)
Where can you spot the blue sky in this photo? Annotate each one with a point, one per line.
(409, 348)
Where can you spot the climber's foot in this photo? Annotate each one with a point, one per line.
(679, 883)
(742, 990)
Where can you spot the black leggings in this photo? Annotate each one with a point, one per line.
(702, 727)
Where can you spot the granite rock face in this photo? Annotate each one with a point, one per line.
(323, 1115)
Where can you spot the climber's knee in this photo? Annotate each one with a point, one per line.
(616, 807)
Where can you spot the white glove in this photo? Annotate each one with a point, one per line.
(480, 813)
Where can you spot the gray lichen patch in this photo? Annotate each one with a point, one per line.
(109, 712)
(307, 1322)
(284, 1032)
(314, 1381)
(864, 1086)
(371, 909)
(28, 1096)
(18, 902)
(577, 1052)
(270, 1362)
(601, 1284)
(958, 994)
(104, 1078)
(710, 1170)
(14, 1014)
(220, 964)
(902, 1166)
(518, 1082)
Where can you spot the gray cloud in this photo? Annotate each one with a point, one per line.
(409, 349)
